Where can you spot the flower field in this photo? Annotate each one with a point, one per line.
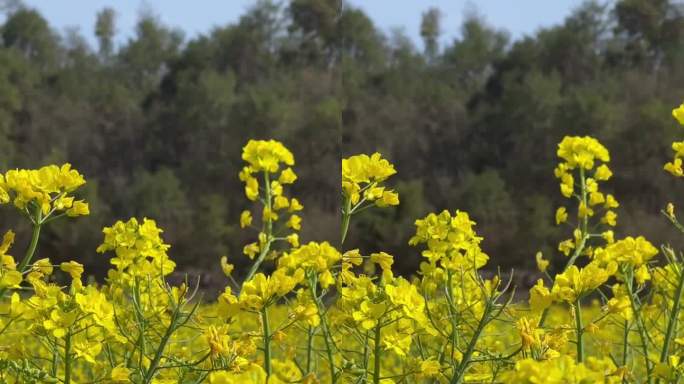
(322, 313)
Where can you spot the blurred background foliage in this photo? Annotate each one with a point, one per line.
(157, 123)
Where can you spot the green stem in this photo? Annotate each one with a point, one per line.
(625, 348)
(640, 328)
(378, 351)
(269, 198)
(140, 319)
(31, 249)
(33, 245)
(579, 331)
(625, 344)
(328, 348)
(55, 355)
(160, 350)
(260, 259)
(366, 357)
(309, 349)
(452, 309)
(672, 323)
(346, 217)
(585, 219)
(327, 337)
(465, 361)
(267, 228)
(583, 225)
(67, 358)
(578, 305)
(267, 341)
(542, 318)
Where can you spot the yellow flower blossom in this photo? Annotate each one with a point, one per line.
(575, 282)
(561, 215)
(566, 246)
(634, 251)
(252, 188)
(60, 321)
(620, 303)
(429, 368)
(384, 260)
(397, 343)
(287, 176)
(603, 173)
(609, 218)
(542, 264)
(138, 247)
(295, 222)
(120, 374)
(266, 155)
(368, 314)
(280, 202)
(610, 202)
(295, 205)
(540, 296)
(74, 269)
(226, 267)
(245, 219)
(584, 211)
(641, 274)
(79, 208)
(582, 152)
(388, 198)
(368, 171)
(678, 114)
(48, 188)
(596, 198)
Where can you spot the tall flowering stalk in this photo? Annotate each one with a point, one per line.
(583, 160)
(265, 159)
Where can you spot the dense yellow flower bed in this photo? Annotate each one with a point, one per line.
(328, 314)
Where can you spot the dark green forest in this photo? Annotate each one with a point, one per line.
(156, 122)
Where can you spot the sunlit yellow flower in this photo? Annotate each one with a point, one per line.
(542, 264)
(226, 267)
(678, 114)
(540, 296)
(120, 374)
(368, 314)
(74, 269)
(294, 222)
(575, 282)
(561, 215)
(582, 152)
(79, 208)
(245, 219)
(287, 176)
(363, 171)
(266, 155)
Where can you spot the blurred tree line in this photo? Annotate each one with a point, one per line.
(156, 123)
(474, 124)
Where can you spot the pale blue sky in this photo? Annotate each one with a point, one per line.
(519, 17)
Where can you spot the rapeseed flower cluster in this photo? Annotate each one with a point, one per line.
(675, 166)
(362, 176)
(363, 180)
(138, 248)
(48, 189)
(607, 309)
(266, 159)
